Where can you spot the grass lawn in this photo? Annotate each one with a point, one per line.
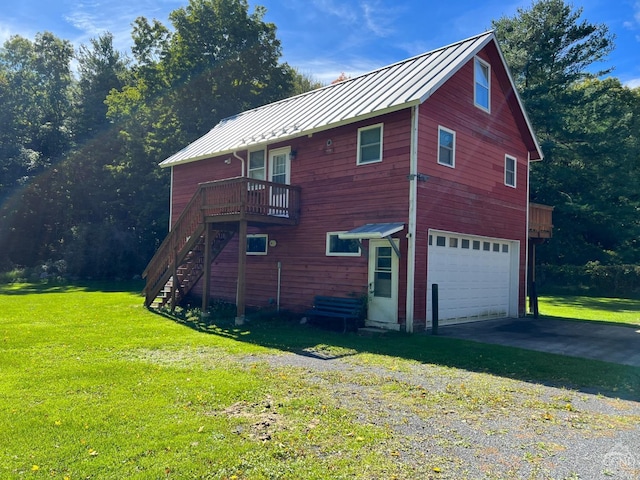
(95, 386)
(616, 310)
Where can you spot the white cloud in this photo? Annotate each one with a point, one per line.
(633, 83)
(635, 22)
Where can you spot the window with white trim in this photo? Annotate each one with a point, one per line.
(482, 87)
(510, 171)
(257, 244)
(370, 144)
(338, 247)
(257, 165)
(446, 147)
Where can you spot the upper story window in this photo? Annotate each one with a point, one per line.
(446, 147)
(510, 171)
(257, 165)
(482, 89)
(370, 144)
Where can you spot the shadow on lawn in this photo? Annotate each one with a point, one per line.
(132, 286)
(585, 375)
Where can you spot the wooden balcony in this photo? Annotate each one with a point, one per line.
(217, 211)
(256, 201)
(540, 221)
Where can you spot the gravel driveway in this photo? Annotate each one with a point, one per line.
(455, 424)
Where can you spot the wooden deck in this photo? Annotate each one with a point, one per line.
(540, 221)
(222, 206)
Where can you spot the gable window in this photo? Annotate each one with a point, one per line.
(509, 171)
(370, 144)
(482, 76)
(257, 165)
(337, 247)
(446, 147)
(257, 244)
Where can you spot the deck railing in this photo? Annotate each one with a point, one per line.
(540, 221)
(229, 200)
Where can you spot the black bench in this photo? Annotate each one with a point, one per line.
(337, 307)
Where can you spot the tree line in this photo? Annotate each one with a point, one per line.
(82, 131)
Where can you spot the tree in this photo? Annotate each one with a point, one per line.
(588, 131)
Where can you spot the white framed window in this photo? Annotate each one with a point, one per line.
(510, 171)
(337, 247)
(446, 147)
(257, 167)
(370, 144)
(257, 244)
(482, 84)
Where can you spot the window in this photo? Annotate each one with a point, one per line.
(509, 171)
(257, 244)
(257, 166)
(441, 241)
(465, 243)
(505, 248)
(446, 147)
(476, 244)
(482, 76)
(453, 242)
(370, 144)
(486, 246)
(496, 247)
(337, 247)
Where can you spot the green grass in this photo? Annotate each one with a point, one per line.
(95, 386)
(616, 310)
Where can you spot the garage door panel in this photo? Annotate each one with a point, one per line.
(473, 282)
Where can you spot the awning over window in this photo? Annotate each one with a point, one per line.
(372, 230)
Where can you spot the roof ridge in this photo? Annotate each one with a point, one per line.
(353, 79)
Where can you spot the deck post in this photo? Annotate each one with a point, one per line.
(206, 288)
(242, 267)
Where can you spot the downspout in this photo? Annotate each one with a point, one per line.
(235, 154)
(171, 199)
(411, 227)
(526, 243)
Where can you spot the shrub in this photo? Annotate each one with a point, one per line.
(611, 280)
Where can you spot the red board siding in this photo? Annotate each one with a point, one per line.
(336, 195)
(470, 198)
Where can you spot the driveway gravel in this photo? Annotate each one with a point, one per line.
(454, 424)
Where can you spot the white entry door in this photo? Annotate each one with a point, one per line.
(279, 172)
(383, 284)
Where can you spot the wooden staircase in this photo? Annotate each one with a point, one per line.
(217, 210)
(190, 271)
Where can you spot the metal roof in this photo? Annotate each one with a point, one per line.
(372, 230)
(387, 89)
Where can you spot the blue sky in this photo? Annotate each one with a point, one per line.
(324, 38)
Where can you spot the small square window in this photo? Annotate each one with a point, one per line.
(496, 247)
(486, 246)
(453, 242)
(370, 144)
(338, 247)
(510, 171)
(482, 89)
(476, 244)
(465, 243)
(441, 241)
(505, 248)
(446, 147)
(257, 244)
(430, 239)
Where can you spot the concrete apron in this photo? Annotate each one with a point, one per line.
(610, 343)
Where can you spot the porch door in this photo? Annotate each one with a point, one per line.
(279, 172)
(383, 284)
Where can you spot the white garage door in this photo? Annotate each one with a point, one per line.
(477, 277)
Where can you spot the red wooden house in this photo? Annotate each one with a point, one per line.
(379, 185)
